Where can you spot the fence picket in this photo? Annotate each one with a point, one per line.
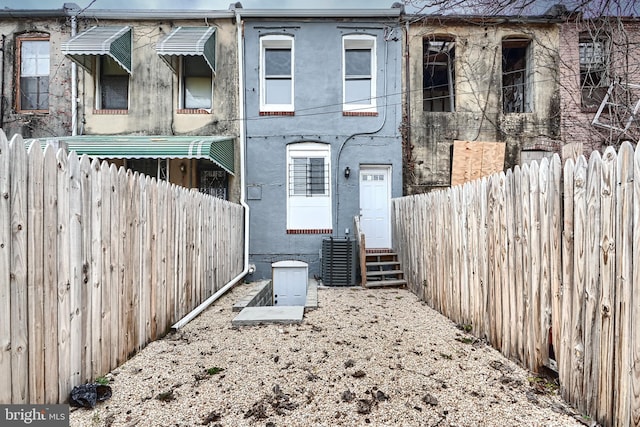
(634, 394)
(535, 267)
(75, 270)
(565, 351)
(113, 241)
(607, 267)
(5, 270)
(555, 195)
(579, 267)
(591, 289)
(50, 285)
(18, 270)
(624, 277)
(96, 283)
(35, 272)
(544, 316)
(510, 285)
(519, 280)
(86, 284)
(64, 277)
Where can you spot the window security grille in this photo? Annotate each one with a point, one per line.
(308, 176)
(213, 183)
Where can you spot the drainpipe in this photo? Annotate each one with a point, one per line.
(74, 84)
(242, 141)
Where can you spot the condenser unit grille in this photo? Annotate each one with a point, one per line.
(339, 262)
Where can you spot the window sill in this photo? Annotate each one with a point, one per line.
(32, 112)
(192, 111)
(277, 113)
(360, 113)
(311, 231)
(111, 112)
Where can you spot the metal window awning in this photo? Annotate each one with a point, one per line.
(112, 41)
(188, 41)
(217, 149)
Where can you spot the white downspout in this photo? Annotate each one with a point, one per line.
(242, 140)
(74, 84)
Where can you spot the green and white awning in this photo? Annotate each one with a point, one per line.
(111, 41)
(188, 41)
(218, 149)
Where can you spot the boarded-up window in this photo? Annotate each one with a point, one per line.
(516, 76)
(473, 160)
(438, 84)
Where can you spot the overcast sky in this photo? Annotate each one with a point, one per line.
(199, 4)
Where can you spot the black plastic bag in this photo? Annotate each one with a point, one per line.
(87, 395)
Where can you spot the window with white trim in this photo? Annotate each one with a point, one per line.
(276, 73)
(113, 85)
(309, 186)
(33, 74)
(359, 73)
(195, 83)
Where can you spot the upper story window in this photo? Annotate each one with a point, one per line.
(276, 73)
(105, 52)
(196, 83)
(359, 77)
(438, 78)
(32, 83)
(190, 52)
(594, 70)
(113, 86)
(517, 90)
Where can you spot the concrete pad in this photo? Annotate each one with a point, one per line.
(269, 314)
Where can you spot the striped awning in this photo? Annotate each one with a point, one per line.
(188, 41)
(112, 41)
(218, 149)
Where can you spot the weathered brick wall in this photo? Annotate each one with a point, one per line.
(575, 121)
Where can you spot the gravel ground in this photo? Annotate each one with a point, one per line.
(379, 357)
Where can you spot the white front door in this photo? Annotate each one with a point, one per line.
(375, 203)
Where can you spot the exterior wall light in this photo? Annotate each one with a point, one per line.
(347, 172)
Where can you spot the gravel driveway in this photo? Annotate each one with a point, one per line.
(375, 357)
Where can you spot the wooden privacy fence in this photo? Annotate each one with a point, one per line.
(544, 262)
(95, 262)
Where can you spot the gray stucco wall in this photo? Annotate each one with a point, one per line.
(354, 141)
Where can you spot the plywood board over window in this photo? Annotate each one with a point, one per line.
(473, 160)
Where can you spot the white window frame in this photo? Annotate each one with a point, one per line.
(275, 42)
(309, 211)
(359, 41)
(183, 87)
